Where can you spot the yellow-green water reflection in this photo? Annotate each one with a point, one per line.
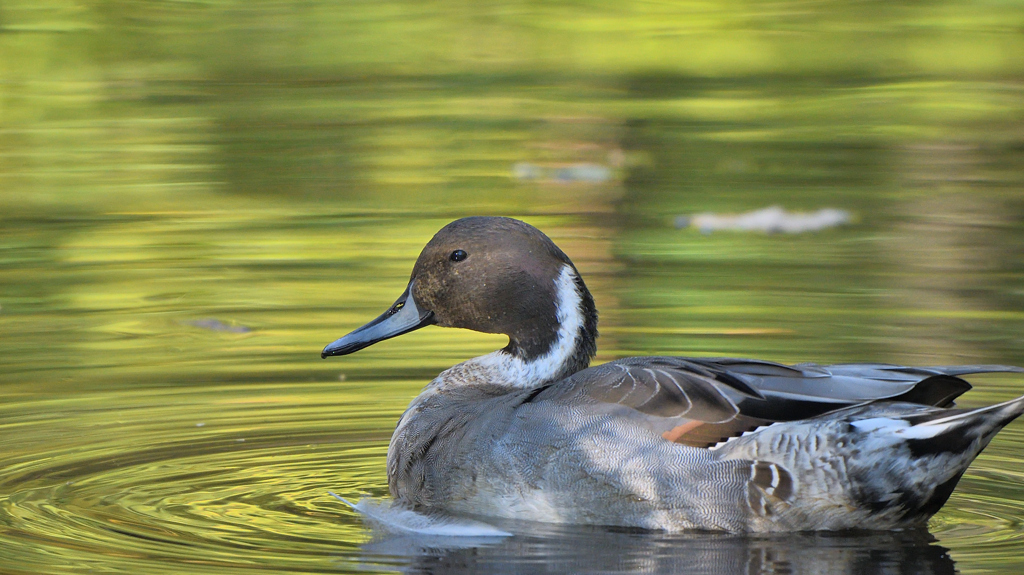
(195, 197)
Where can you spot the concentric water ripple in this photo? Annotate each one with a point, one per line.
(173, 479)
(217, 479)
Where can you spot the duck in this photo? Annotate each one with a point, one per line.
(533, 432)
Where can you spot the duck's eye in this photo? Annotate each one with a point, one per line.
(458, 255)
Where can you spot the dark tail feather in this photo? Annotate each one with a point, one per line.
(955, 436)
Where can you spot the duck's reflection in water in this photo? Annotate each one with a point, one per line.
(552, 549)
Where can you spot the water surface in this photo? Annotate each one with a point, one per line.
(198, 196)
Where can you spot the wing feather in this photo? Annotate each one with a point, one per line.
(700, 401)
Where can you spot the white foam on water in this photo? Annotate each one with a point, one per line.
(772, 219)
(390, 517)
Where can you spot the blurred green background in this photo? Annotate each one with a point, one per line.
(169, 161)
(196, 196)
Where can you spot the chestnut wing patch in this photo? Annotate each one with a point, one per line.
(700, 434)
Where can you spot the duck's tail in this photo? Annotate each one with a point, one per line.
(941, 444)
(875, 466)
(958, 430)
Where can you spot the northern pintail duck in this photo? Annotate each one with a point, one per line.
(531, 432)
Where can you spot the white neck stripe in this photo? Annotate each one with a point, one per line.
(569, 313)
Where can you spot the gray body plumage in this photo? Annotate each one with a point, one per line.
(481, 450)
(564, 453)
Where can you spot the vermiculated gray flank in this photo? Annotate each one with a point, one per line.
(531, 432)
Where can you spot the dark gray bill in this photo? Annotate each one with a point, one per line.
(402, 317)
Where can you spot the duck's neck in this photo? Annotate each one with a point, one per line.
(553, 347)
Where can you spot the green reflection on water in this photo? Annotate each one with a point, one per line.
(197, 196)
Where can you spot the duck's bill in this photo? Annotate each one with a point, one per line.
(402, 317)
